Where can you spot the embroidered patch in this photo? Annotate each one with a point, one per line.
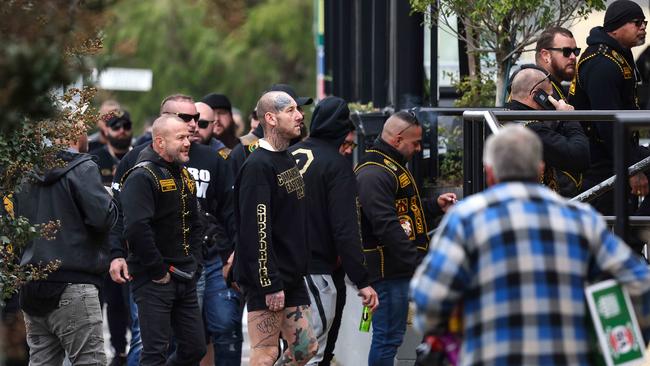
(404, 180)
(167, 185)
(390, 164)
(191, 184)
(402, 206)
(224, 153)
(627, 72)
(253, 146)
(407, 225)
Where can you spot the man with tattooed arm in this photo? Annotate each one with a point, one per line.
(272, 252)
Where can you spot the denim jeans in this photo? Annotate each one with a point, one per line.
(73, 328)
(222, 312)
(163, 308)
(135, 348)
(388, 321)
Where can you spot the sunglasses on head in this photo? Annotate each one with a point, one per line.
(186, 117)
(126, 125)
(639, 22)
(566, 51)
(203, 123)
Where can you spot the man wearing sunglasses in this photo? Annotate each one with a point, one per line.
(607, 79)
(556, 52)
(119, 134)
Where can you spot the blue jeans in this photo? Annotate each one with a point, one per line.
(133, 358)
(388, 321)
(222, 313)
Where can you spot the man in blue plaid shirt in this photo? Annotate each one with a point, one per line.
(517, 257)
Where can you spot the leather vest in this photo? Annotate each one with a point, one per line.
(407, 204)
(173, 195)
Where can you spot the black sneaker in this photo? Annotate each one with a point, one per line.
(118, 360)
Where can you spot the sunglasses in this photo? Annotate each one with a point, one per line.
(639, 22)
(415, 117)
(203, 123)
(126, 125)
(539, 82)
(566, 51)
(185, 117)
(347, 144)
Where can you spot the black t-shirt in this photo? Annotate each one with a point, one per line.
(107, 163)
(272, 252)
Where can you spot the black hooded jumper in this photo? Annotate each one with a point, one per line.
(605, 79)
(73, 195)
(333, 215)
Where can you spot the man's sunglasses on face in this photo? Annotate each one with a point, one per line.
(185, 117)
(639, 22)
(126, 125)
(351, 144)
(203, 123)
(566, 51)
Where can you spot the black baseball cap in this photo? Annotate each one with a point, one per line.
(217, 101)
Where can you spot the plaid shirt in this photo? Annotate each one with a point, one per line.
(518, 257)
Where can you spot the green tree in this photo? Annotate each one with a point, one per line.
(44, 48)
(237, 48)
(503, 27)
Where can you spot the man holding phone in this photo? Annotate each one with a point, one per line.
(566, 148)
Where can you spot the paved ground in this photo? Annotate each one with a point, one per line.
(245, 346)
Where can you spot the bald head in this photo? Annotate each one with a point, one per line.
(171, 138)
(403, 132)
(205, 123)
(524, 81)
(273, 102)
(163, 125)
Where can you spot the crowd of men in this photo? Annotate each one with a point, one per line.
(179, 231)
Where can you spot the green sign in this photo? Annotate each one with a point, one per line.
(615, 324)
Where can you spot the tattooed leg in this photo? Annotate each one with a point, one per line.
(264, 330)
(299, 335)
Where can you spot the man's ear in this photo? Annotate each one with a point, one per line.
(270, 119)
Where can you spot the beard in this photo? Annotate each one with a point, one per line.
(120, 143)
(562, 73)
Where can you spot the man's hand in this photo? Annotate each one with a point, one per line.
(119, 271)
(369, 297)
(560, 105)
(639, 184)
(275, 301)
(228, 265)
(163, 281)
(446, 200)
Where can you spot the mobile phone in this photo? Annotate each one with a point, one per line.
(182, 275)
(541, 98)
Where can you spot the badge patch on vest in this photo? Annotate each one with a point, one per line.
(404, 180)
(407, 226)
(191, 184)
(627, 72)
(167, 185)
(253, 146)
(402, 206)
(224, 153)
(390, 164)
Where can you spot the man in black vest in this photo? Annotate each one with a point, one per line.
(606, 79)
(161, 225)
(393, 227)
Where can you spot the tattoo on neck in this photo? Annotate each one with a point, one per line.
(278, 142)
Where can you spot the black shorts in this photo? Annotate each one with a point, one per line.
(295, 295)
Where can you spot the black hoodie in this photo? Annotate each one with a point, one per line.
(331, 193)
(75, 196)
(606, 79)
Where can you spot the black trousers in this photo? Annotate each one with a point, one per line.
(163, 309)
(339, 281)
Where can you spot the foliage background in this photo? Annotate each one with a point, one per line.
(234, 47)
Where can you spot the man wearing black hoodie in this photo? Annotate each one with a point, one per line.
(333, 217)
(62, 313)
(606, 78)
(161, 225)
